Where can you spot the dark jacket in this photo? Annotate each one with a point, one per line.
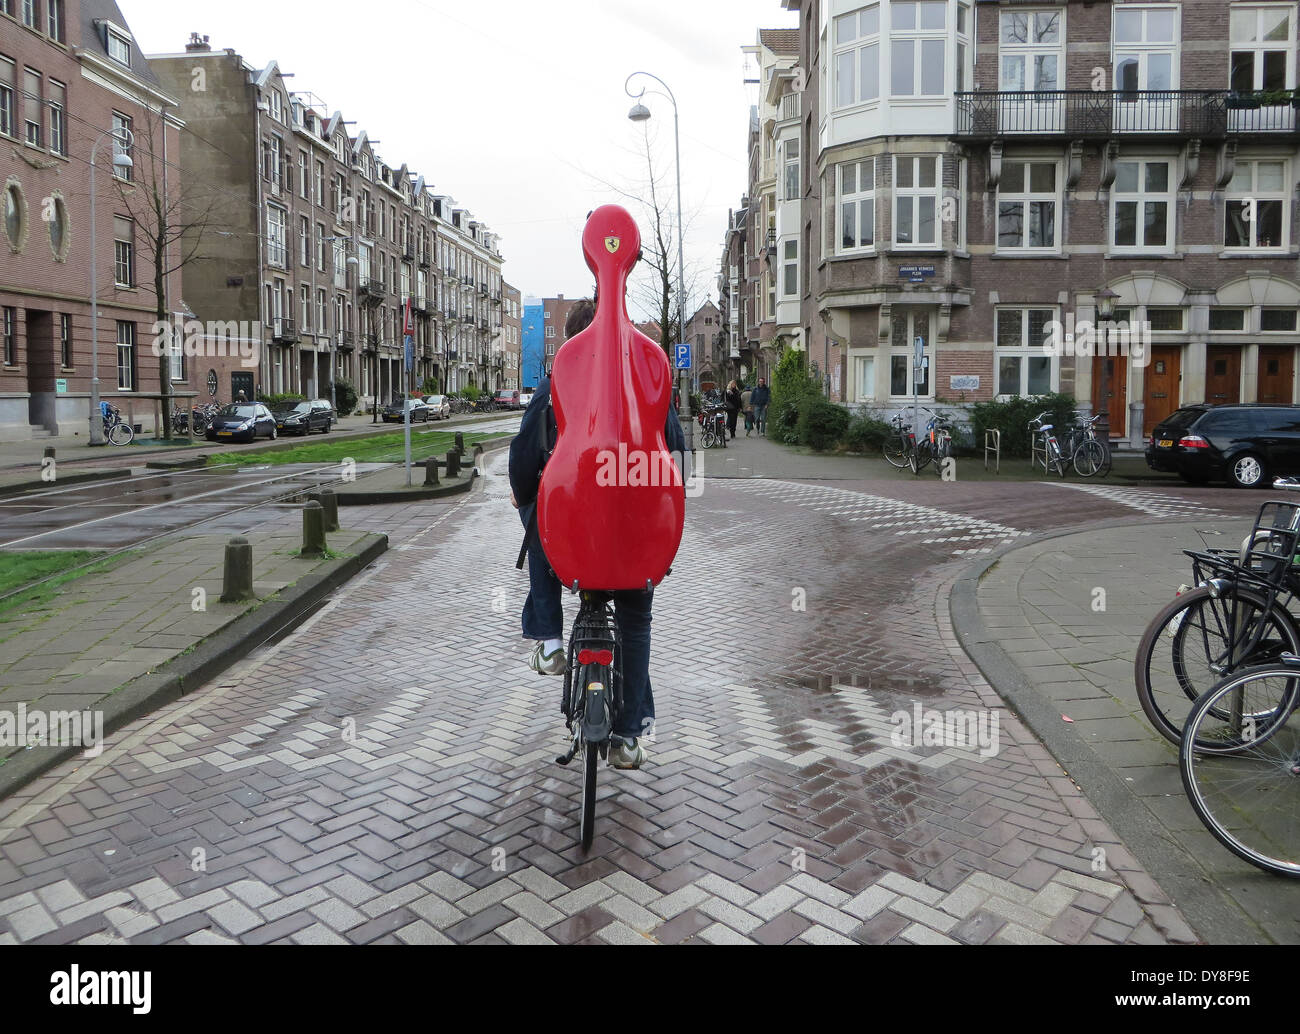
(537, 432)
(762, 396)
(733, 400)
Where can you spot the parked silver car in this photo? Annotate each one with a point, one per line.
(439, 406)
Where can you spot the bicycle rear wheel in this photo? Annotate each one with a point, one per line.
(590, 762)
(1196, 640)
(895, 452)
(121, 434)
(1247, 796)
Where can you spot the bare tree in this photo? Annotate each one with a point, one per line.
(172, 217)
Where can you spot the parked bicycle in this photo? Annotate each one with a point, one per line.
(1044, 449)
(897, 445)
(713, 420)
(116, 430)
(1089, 455)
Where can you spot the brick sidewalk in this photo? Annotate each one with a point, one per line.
(386, 774)
(1072, 660)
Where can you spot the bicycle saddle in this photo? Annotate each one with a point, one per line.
(611, 503)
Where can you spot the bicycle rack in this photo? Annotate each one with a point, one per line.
(993, 444)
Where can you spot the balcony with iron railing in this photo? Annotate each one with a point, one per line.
(1101, 114)
(791, 106)
(372, 289)
(346, 341)
(284, 330)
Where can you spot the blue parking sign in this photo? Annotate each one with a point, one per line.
(683, 357)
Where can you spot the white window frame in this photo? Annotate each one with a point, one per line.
(916, 193)
(864, 369)
(1032, 50)
(790, 159)
(126, 355)
(276, 245)
(1259, 47)
(923, 55)
(1144, 49)
(1281, 194)
(1025, 199)
(860, 200)
(789, 267)
(907, 349)
(852, 52)
(112, 36)
(1142, 198)
(1025, 350)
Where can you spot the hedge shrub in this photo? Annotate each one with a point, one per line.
(866, 433)
(345, 397)
(822, 424)
(1012, 418)
(793, 389)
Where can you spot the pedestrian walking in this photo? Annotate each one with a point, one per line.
(761, 396)
(747, 407)
(732, 399)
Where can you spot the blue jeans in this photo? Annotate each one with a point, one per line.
(543, 618)
(760, 418)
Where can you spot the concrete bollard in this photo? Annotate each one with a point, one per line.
(453, 463)
(330, 504)
(460, 442)
(431, 471)
(313, 529)
(237, 576)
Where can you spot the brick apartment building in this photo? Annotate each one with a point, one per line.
(70, 75)
(970, 174)
(322, 243)
(512, 336)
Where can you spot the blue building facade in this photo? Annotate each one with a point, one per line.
(534, 344)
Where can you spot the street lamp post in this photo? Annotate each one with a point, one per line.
(1105, 300)
(121, 160)
(640, 113)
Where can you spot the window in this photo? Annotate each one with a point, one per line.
(792, 169)
(55, 19)
(1164, 319)
(32, 107)
(1024, 368)
(29, 13)
(916, 47)
(1262, 49)
(866, 378)
(123, 251)
(790, 269)
(322, 312)
(65, 341)
(906, 325)
(125, 356)
(857, 56)
(320, 184)
(6, 96)
(304, 242)
(119, 47)
(1031, 50)
(1278, 320)
(275, 242)
(58, 223)
(1027, 206)
(58, 118)
(916, 201)
(176, 356)
(550, 332)
(1227, 319)
(856, 207)
(277, 106)
(122, 134)
(10, 335)
(304, 184)
(1255, 206)
(15, 216)
(1146, 47)
(1142, 200)
(320, 246)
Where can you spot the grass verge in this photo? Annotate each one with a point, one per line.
(31, 599)
(383, 448)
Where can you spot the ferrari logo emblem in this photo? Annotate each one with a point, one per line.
(611, 244)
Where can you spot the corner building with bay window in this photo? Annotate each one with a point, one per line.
(974, 172)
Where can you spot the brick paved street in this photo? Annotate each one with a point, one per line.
(386, 774)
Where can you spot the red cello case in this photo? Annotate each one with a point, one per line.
(611, 503)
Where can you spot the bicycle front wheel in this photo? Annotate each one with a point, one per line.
(1247, 796)
(895, 452)
(1196, 640)
(590, 762)
(1089, 459)
(121, 434)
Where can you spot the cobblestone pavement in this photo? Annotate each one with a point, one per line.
(386, 772)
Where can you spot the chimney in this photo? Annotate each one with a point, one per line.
(197, 44)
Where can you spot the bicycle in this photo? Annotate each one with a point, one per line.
(1238, 615)
(1240, 764)
(1089, 454)
(895, 447)
(116, 430)
(1049, 456)
(593, 695)
(935, 444)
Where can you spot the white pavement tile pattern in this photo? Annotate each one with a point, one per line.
(932, 525)
(1157, 504)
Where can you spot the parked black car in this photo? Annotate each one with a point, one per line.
(304, 417)
(242, 421)
(1246, 444)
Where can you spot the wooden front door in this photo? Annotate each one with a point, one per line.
(1222, 375)
(1160, 393)
(1116, 401)
(1276, 367)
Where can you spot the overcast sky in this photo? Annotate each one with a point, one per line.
(516, 107)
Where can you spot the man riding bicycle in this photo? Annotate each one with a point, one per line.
(543, 614)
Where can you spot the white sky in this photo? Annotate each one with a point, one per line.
(516, 107)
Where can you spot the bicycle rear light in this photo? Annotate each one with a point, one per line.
(595, 656)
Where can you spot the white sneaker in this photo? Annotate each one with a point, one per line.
(549, 664)
(626, 753)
